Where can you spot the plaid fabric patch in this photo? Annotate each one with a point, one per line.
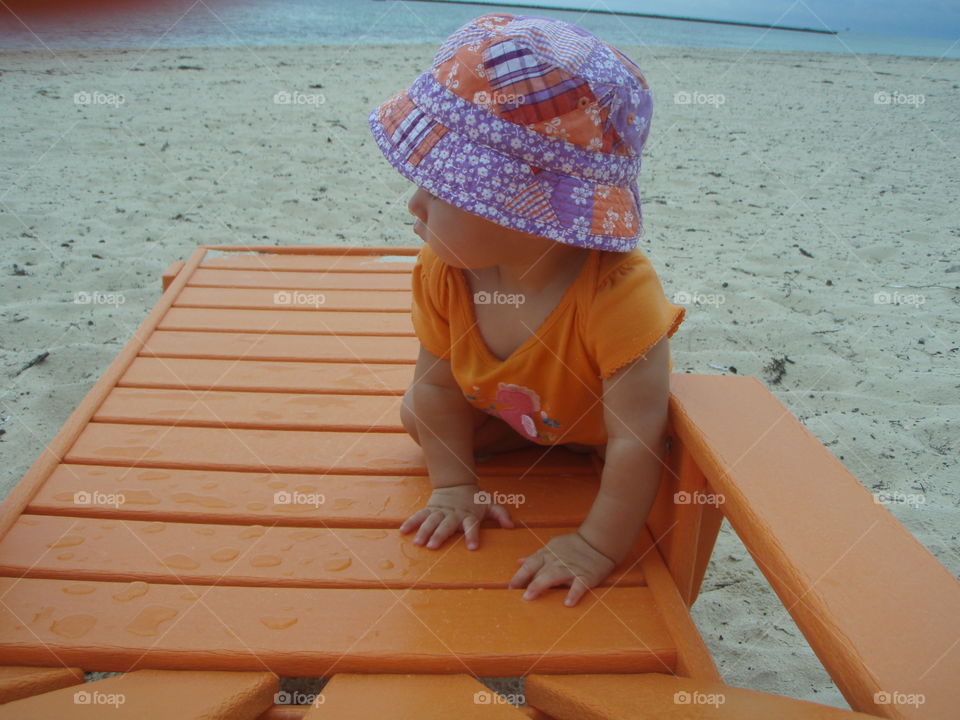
(533, 201)
(527, 91)
(507, 63)
(564, 48)
(413, 133)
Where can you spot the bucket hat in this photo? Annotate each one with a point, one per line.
(530, 122)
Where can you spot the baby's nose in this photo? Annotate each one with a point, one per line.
(417, 204)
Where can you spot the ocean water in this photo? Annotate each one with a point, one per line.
(262, 23)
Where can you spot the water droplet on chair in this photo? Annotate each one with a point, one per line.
(147, 623)
(136, 589)
(67, 541)
(73, 626)
(180, 562)
(278, 623)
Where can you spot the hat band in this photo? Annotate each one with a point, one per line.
(551, 153)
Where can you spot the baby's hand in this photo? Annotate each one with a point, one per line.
(565, 560)
(450, 509)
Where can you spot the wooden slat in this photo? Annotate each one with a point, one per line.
(318, 632)
(21, 682)
(155, 694)
(534, 713)
(684, 519)
(372, 697)
(366, 501)
(300, 280)
(264, 299)
(283, 712)
(44, 546)
(879, 610)
(399, 262)
(293, 451)
(278, 411)
(276, 346)
(693, 656)
(225, 250)
(657, 696)
(171, 272)
(281, 319)
(265, 376)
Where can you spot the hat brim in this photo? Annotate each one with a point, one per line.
(503, 189)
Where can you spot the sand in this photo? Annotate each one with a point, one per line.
(782, 198)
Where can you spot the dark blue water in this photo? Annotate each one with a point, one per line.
(261, 23)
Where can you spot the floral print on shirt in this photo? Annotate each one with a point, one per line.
(518, 406)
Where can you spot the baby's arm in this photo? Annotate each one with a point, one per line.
(635, 413)
(444, 422)
(445, 431)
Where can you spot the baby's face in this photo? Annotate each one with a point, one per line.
(461, 239)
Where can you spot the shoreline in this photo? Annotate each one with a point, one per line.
(626, 13)
(635, 50)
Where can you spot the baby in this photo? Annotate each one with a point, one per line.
(540, 322)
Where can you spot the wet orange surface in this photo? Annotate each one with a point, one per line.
(227, 498)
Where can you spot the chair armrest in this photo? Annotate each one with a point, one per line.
(881, 613)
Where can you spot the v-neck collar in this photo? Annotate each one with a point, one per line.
(474, 327)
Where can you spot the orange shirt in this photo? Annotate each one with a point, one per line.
(550, 389)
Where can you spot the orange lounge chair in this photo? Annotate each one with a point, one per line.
(222, 509)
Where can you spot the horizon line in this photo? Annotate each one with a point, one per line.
(639, 14)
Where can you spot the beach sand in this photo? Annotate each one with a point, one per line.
(783, 210)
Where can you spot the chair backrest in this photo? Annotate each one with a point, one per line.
(878, 609)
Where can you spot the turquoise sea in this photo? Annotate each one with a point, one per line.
(260, 23)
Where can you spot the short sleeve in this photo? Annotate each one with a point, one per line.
(628, 315)
(429, 308)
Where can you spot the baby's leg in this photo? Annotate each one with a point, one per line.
(496, 436)
(490, 434)
(600, 450)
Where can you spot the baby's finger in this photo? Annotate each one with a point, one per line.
(500, 514)
(428, 526)
(545, 579)
(471, 532)
(414, 520)
(530, 567)
(577, 590)
(444, 530)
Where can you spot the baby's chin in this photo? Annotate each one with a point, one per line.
(458, 260)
